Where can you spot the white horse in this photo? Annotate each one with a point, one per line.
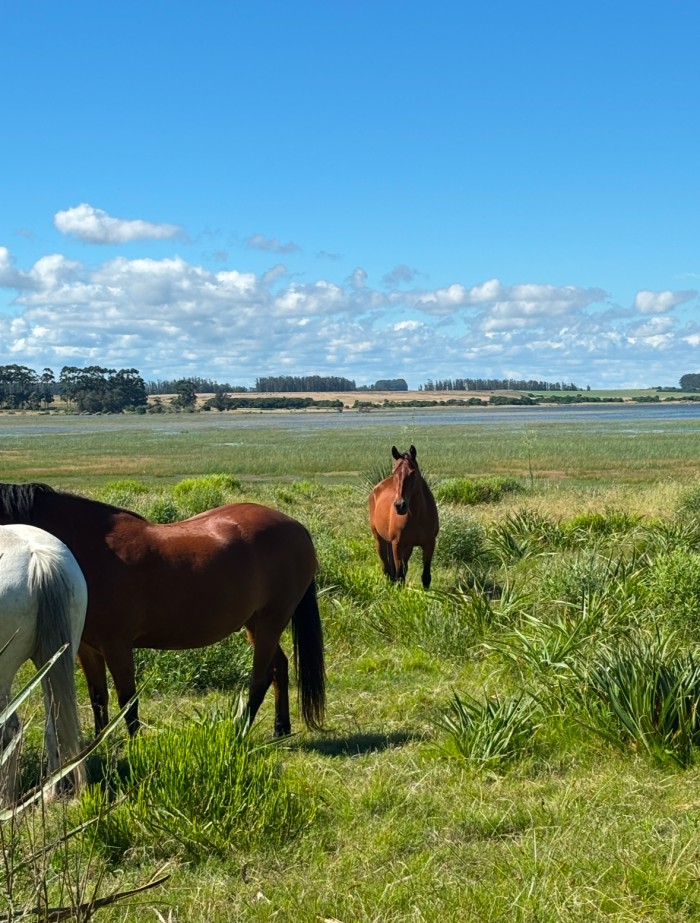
(43, 599)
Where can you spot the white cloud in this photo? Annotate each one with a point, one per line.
(659, 302)
(171, 317)
(95, 226)
(9, 276)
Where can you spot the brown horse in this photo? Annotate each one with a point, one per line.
(403, 515)
(187, 584)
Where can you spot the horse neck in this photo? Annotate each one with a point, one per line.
(72, 518)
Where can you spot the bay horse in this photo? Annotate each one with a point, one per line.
(43, 600)
(187, 584)
(403, 515)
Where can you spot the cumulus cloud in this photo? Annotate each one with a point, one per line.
(271, 244)
(9, 276)
(659, 302)
(95, 226)
(171, 317)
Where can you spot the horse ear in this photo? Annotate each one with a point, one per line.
(395, 452)
(412, 450)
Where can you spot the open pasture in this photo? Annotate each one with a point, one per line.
(519, 743)
(582, 444)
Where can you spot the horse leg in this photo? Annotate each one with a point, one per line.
(385, 556)
(9, 768)
(270, 668)
(428, 551)
(93, 664)
(401, 554)
(120, 662)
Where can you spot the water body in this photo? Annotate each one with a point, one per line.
(629, 417)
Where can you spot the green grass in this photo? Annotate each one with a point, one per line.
(92, 451)
(477, 763)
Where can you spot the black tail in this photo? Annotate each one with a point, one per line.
(307, 633)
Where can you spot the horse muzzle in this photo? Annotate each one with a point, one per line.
(401, 507)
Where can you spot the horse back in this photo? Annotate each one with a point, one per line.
(189, 583)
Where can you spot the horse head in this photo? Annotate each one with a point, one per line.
(406, 476)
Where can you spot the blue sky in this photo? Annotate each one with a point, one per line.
(367, 189)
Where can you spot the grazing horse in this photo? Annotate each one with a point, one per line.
(187, 584)
(403, 515)
(43, 599)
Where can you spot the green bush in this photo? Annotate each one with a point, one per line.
(196, 495)
(126, 493)
(672, 589)
(162, 509)
(441, 623)
(460, 541)
(471, 491)
(689, 502)
(583, 527)
(523, 534)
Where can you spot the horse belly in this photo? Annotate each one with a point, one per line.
(194, 613)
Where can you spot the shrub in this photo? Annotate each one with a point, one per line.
(125, 493)
(195, 495)
(672, 589)
(689, 502)
(469, 492)
(522, 534)
(432, 621)
(461, 540)
(585, 526)
(163, 509)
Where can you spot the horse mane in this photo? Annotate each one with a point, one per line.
(17, 501)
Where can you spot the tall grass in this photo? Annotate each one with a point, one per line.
(204, 788)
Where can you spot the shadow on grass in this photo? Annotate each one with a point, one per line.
(356, 744)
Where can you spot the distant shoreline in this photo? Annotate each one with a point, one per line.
(378, 401)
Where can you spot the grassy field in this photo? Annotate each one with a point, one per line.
(518, 744)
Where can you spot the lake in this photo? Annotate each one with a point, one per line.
(642, 418)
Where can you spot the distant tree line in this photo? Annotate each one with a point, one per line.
(21, 388)
(386, 384)
(201, 386)
(303, 383)
(495, 384)
(690, 382)
(94, 389)
(228, 402)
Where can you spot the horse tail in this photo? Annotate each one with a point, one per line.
(307, 634)
(56, 605)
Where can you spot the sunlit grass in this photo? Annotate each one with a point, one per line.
(431, 793)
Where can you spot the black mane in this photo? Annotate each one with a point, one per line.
(17, 500)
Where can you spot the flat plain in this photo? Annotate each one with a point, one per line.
(420, 804)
